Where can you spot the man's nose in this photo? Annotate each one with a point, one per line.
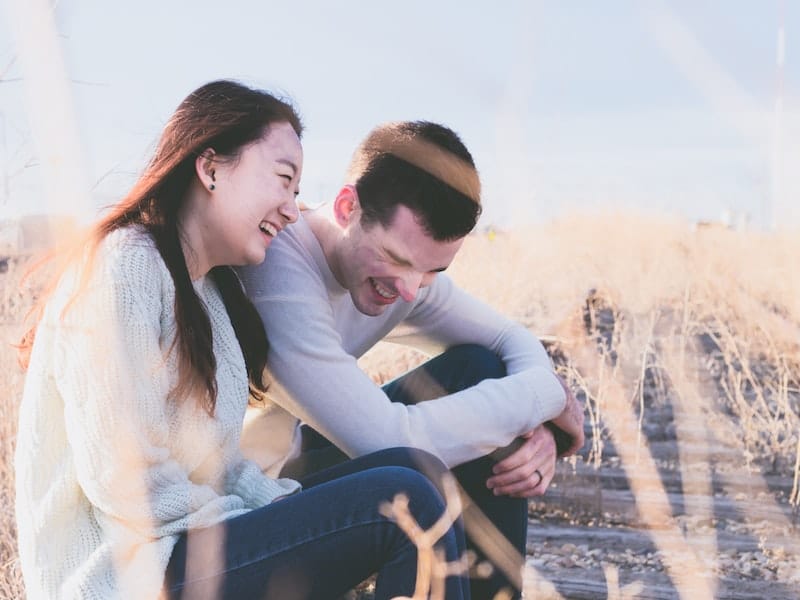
(408, 286)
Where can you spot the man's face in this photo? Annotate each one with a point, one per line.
(382, 265)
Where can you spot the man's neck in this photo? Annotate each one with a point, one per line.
(328, 233)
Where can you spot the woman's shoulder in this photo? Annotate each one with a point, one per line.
(130, 252)
(130, 239)
(125, 269)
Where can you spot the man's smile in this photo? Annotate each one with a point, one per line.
(382, 290)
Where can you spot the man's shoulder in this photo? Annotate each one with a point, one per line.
(292, 265)
(296, 243)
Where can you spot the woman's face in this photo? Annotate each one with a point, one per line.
(253, 198)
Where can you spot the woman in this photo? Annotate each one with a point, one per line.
(144, 351)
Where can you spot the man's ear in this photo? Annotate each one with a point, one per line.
(205, 167)
(346, 206)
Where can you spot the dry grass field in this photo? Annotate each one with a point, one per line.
(13, 303)
(685, 346)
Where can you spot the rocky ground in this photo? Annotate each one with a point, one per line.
(586, 538)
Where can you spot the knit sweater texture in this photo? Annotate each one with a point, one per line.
(317, 334)
(110, 468)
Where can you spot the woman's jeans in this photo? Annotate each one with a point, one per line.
(320, 542)
(487, 517)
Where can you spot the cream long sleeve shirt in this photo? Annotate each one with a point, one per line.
(316, 335)
(110, 471)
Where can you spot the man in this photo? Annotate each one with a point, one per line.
(368, 267)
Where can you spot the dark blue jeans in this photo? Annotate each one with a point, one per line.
(320, 542)
(496, 526)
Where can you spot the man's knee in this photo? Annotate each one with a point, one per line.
(478, 361)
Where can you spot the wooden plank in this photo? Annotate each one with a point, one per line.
(639, 540)
(590, 584)
(598, 501)
(618, 478)
(692, 451)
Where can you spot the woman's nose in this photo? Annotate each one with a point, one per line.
(289, 211)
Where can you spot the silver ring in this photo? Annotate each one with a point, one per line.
(539, 473)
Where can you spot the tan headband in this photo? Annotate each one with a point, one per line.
(433, 159)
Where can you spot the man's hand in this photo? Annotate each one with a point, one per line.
(570, 421)
(528, 470)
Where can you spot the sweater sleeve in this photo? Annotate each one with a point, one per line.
(246, 480)
(446, 316)
(320, 383)
(113, 378)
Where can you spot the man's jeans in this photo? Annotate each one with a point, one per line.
(488, 518)
(320, 542)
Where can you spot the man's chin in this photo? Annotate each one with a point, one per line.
(369, 309)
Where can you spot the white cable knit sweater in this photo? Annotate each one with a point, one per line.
(109, 470)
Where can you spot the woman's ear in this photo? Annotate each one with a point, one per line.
(346, 207)
(205, 167)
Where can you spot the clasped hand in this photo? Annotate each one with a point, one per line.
(528, 471)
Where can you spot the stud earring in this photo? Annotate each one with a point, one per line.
(212, 187)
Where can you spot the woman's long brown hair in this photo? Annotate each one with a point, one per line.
(225, 116)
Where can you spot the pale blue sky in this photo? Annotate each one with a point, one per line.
(666, 106)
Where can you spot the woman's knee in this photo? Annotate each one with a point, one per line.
(427, 505)
(413, 458)
(425, 500)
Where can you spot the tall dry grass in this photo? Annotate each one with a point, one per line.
(648, 317)
(707, 320)
(14, 302)
(719, 307)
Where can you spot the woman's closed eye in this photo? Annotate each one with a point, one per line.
(289, 179)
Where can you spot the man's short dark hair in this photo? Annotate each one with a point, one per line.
(423, 166)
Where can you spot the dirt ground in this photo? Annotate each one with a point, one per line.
(740, 537)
